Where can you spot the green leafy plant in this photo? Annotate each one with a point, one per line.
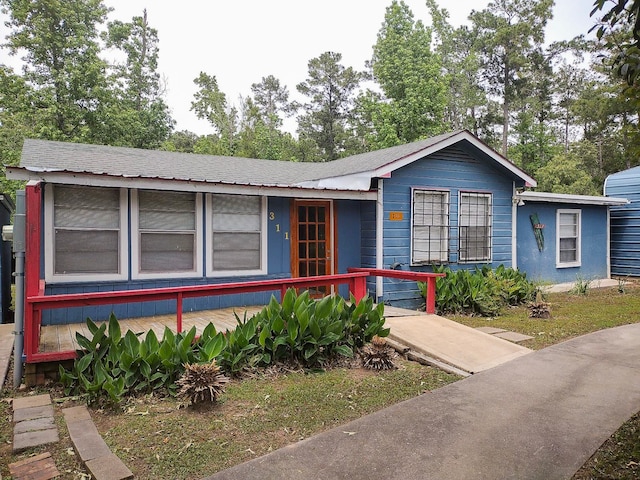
(481, 291)
(299, 330)
(581, 287)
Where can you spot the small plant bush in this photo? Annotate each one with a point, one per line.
(299, 330)
(481, 291)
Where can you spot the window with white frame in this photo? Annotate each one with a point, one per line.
(167, 241)
(474, 227)
(237, 233)
(88, 226)
(568, 236)
(429, 227)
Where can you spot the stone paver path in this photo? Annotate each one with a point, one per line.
(33, 422)
(91, 448)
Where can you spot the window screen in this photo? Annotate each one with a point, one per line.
(237, 232)
(430, 224)
(86, 230)
(568, 237)
(167, 229)
(475, 227)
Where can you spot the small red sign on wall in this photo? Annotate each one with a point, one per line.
(395, 216)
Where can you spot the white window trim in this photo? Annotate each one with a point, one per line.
(136, 274)
(263, 243)
(489, 195)
(50, 276)
(447, 194)
(578, 261)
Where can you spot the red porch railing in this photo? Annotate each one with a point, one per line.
(428, 277)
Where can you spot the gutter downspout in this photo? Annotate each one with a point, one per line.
(379, 238)
(608, 242)
(19, 249)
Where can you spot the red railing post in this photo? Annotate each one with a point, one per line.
(33, 220)
(358, 287)
(178, 312)
(431, 295)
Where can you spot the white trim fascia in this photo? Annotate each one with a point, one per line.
(135, 245)
(514, 228)
(464, 135)
(578, 262)
(380, 239)
(264, 215)
(51, 277)
(355, 182)
(287, 191)
(567, 198)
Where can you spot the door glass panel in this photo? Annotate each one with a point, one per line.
(322, 268)
(322, 250)
(312, 250)
(302, 250)
(302, 214)
(321, 232)
(312, 214)
(302, 269)
(312, 232)
(302, 232)
(312, 269)
(321, 214)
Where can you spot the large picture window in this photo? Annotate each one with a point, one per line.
(429, 227)
(237, 229)
(168, 240)
(568, 244)
(474, 227)
(88, 229)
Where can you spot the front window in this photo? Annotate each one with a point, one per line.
(475, 227)
(237, 234)
(430, 227)
(167, 236)
(87, 225)
(568, 245)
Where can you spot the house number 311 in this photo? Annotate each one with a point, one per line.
(272, 216)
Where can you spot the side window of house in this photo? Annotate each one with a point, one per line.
(430, 227)
(167, 233)
(475, 227)
(568, 244)
(87, 232)
(236, 234)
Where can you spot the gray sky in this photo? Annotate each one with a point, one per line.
(241, 41)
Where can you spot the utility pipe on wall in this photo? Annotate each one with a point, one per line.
(19, 240)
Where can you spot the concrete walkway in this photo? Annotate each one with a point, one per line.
(540, 416)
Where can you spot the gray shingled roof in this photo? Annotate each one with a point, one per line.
(49, 156)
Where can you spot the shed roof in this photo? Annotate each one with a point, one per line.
(570, 199)
(65, 162)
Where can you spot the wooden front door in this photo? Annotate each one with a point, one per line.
(312, 250)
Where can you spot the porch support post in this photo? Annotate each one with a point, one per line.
(380, 239)
(32, 316)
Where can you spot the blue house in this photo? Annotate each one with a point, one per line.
(7, 208)
(564, 237)
(625, 222)
(119, 218)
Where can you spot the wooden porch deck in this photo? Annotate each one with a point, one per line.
(59, 338)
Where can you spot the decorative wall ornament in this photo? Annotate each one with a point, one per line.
(537, 230)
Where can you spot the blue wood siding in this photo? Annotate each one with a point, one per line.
(455, 170)
(541, 265)
(625, 222)
(368, 242)
(278, 265)
(349, 237)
